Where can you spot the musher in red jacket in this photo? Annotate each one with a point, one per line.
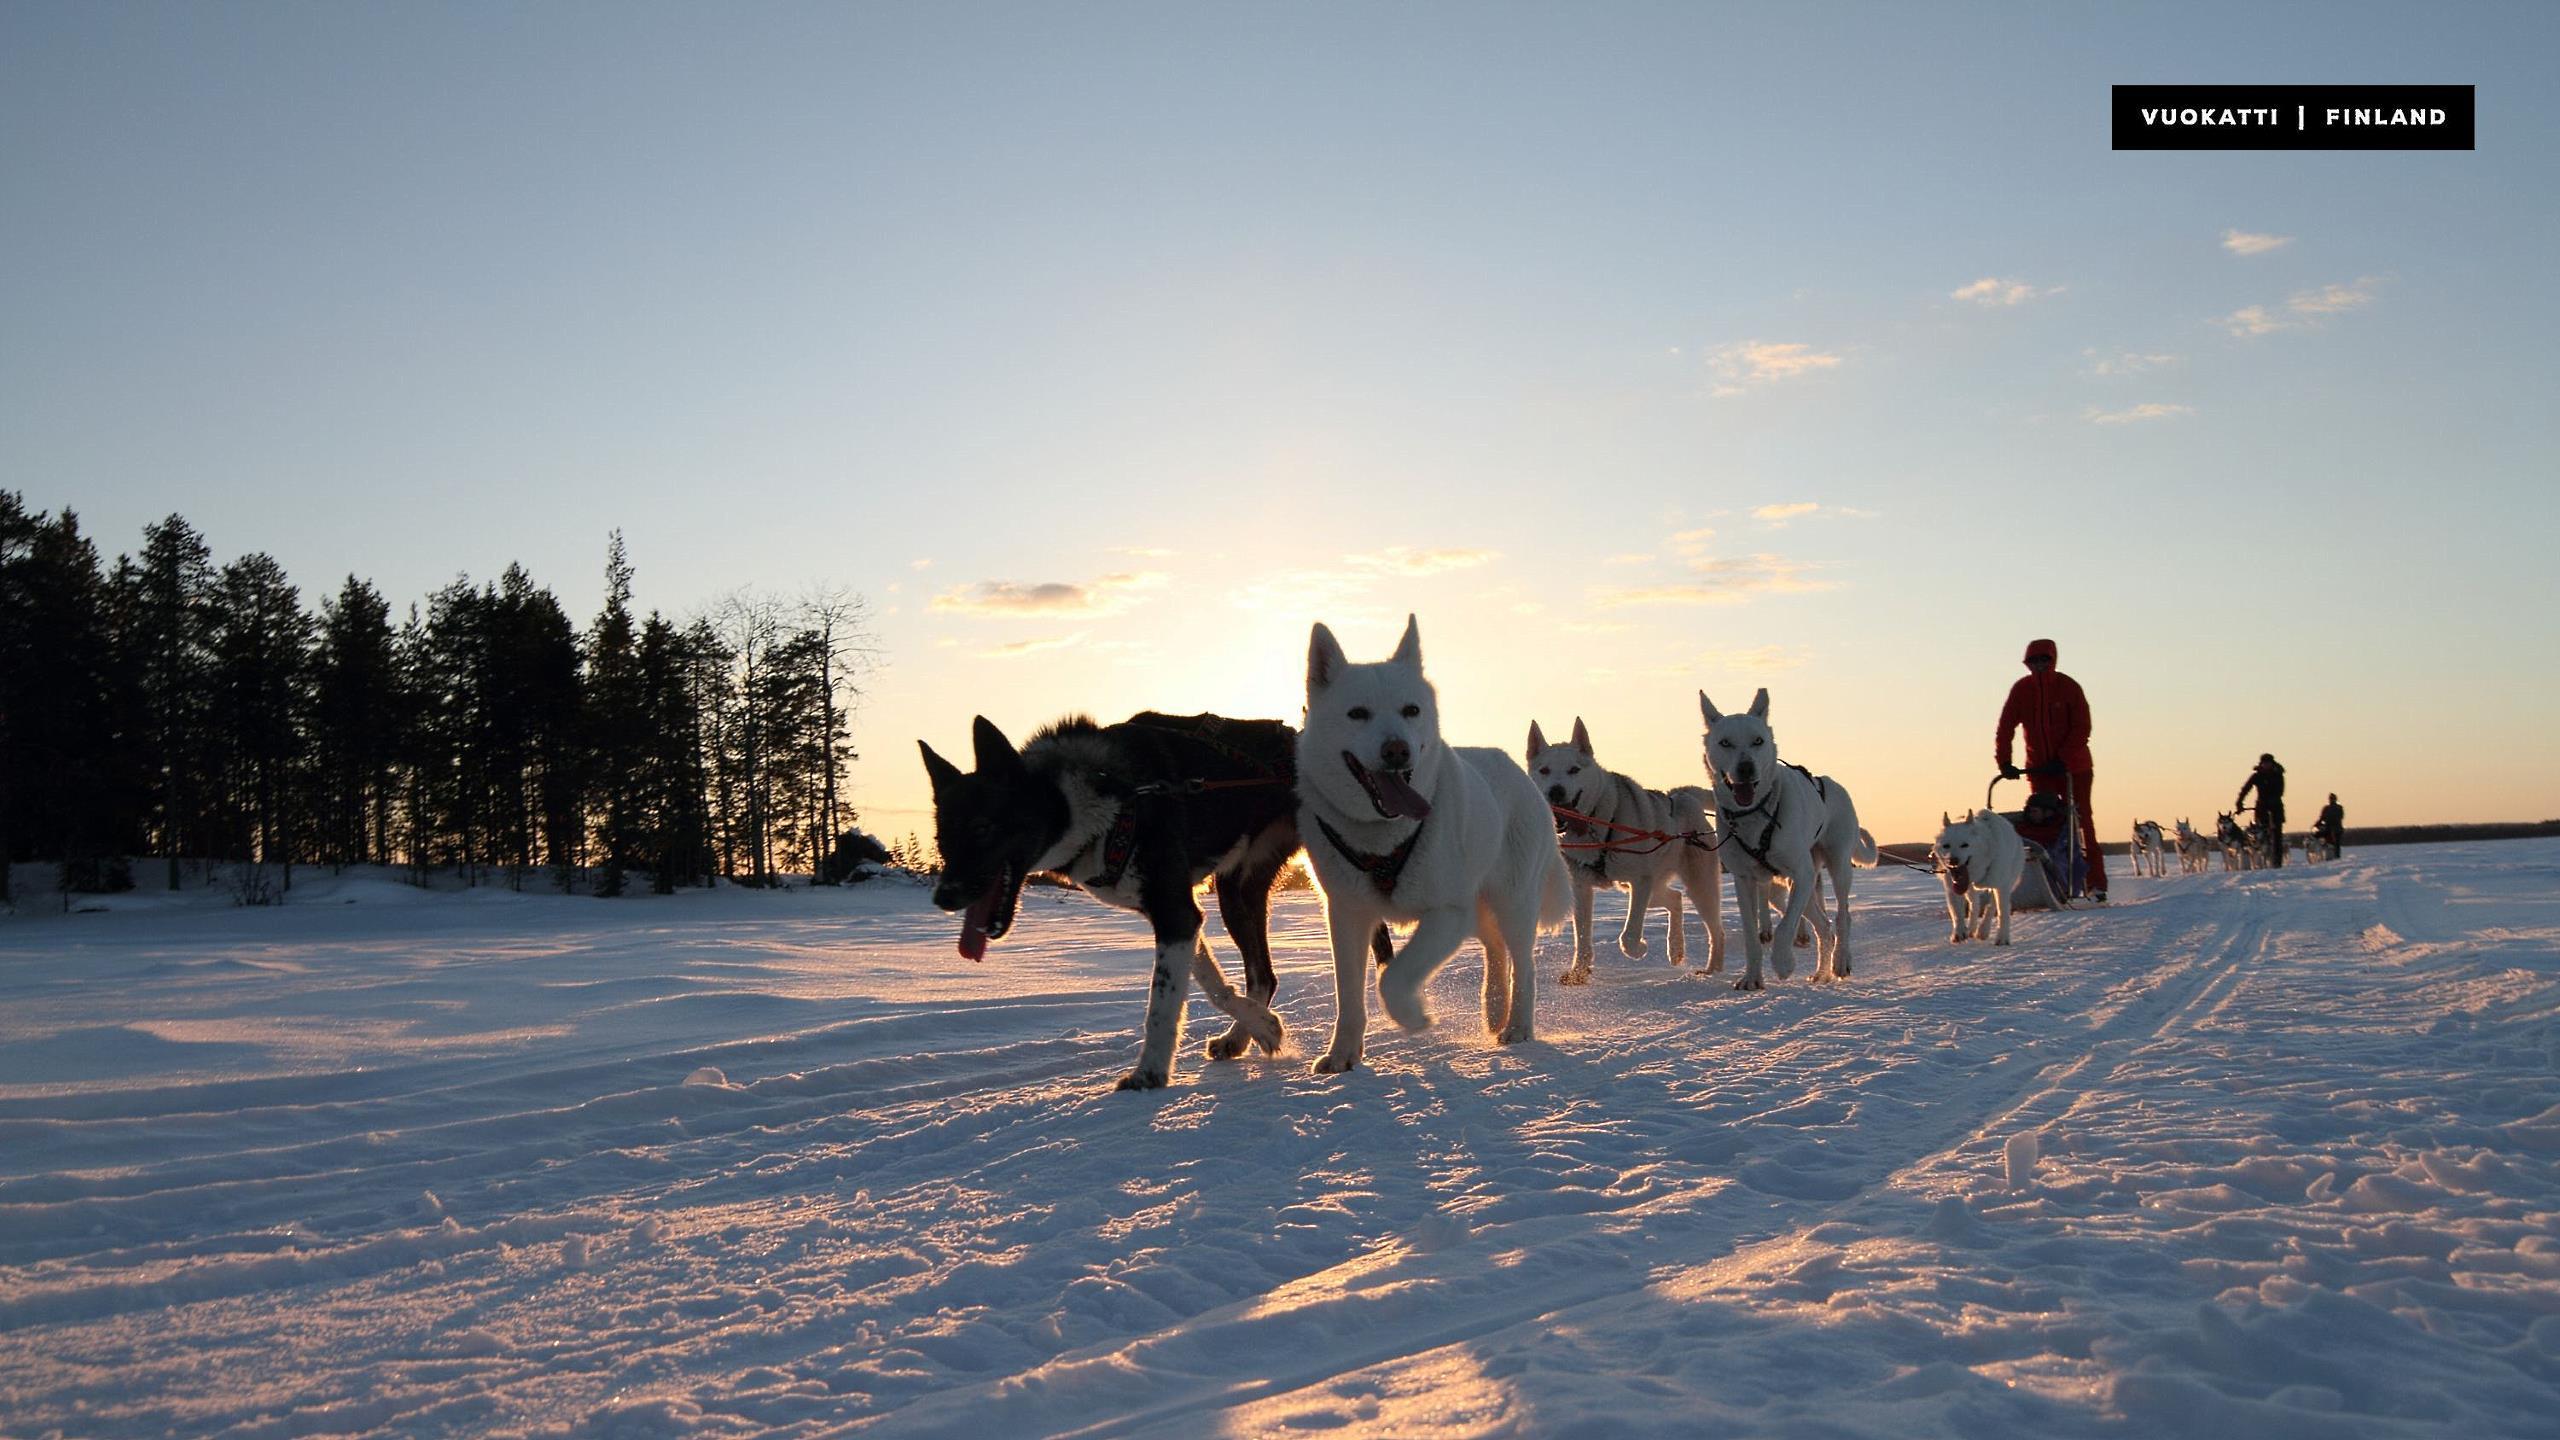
(2056, 716)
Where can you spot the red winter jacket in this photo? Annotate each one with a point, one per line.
(2055, 714)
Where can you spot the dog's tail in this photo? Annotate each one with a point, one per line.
(1555, 895)
(1864, 857)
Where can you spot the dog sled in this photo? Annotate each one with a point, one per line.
(2057, 872)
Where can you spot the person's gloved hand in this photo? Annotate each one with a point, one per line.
(2009, 772)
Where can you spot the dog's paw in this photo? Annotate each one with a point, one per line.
(1749, 982)
(1332, 1064)
(1512, 1034)
(1229, 1045)
(1803, 938)
(1768, 936)
(1578, 975)
(1635, 946)
(1407, 1011)
(1279, 1040)
(1143, 1078)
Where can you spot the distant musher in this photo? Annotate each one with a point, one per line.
(2268, 781)
(2331, 827)
(2056, 716)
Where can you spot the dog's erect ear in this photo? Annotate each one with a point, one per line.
(1409, 649)
(995, 753)
(1943, 822)
(940, 771)
(1760, 704)
(1537, 740)
(1324, 658)
(1707, 708)
(1581, 737)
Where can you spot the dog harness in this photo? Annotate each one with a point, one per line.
(1118, 844)
(1382, 870)
(1729, 821)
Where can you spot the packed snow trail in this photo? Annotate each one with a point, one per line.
(2276, 1150)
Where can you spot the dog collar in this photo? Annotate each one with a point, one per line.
(1383, 870)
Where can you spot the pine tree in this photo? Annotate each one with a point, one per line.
(357, 712)
(165, 631)
(613, 724)
(262, 643)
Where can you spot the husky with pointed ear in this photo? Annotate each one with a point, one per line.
(1137, 814)
(1779, 820)
(1612, 847)
(1980, 860)
(1401, 825)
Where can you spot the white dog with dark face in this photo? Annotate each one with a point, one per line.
(2150, 849)
(1981, 860)
(1400, 825)
(1620, 848)
(1780, 821)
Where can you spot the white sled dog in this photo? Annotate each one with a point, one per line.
(1981, 860)
(1401, 825)
(1575, 781)
(1778, 820)
(2195, 852)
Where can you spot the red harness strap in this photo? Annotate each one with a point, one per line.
(1645, 842)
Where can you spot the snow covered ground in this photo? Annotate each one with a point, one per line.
(2268, 1155)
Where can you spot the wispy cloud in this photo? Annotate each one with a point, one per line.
(2334, 299)
(2000, 294)
(1108, 595)
(1021, 648)
(2242, 242)
(2149, 411)
(1759, 660)
(2303, 310)
(1720, 581)
(1781, 514)
(924, 564)
(1692, 543)
(1405, 560)
(1329, 592)
(1743, 364)
(2128, 362)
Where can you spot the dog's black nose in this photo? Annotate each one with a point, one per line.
(1555, 794)
(1396, 755)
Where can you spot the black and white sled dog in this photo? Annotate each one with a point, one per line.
(1779, 820)
(1980, 858)
(1136, 814)
(1575, 781)
(1401, 825)
(2239, 848)
(2150, 851)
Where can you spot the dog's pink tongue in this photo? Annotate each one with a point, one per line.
(1402, 799)
(973, 926)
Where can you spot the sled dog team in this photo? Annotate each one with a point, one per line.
(1401, 828)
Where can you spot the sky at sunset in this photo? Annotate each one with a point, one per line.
(1634, 348)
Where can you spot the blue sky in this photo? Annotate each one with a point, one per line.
(1542, 322)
